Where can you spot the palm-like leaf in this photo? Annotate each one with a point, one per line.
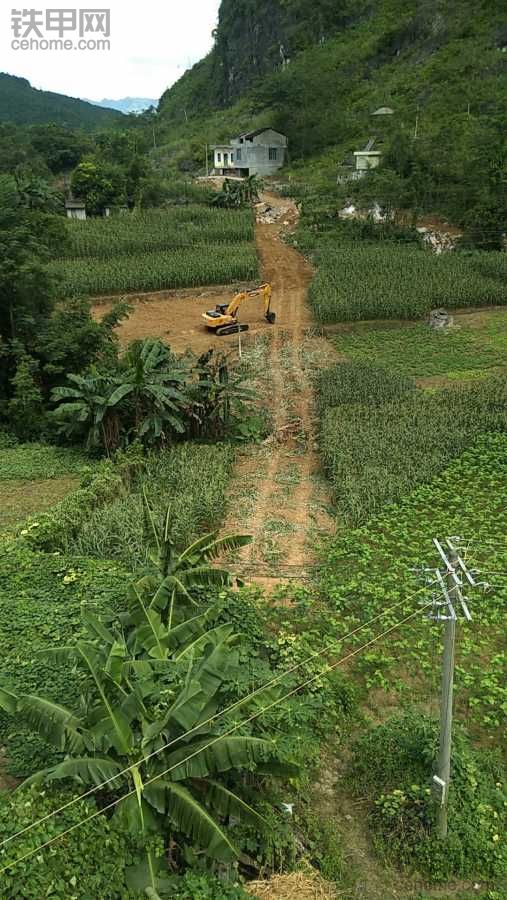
(226, 753)
(55, 723)
(190, 817)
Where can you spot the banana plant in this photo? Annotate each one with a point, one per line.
(143, 725)
(174, 577)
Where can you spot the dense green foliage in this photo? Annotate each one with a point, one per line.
(95, 854)
(23, 104)
(390, 282)
(193, 477)
(155, 230)
(393, 764)
(189, 267)
(156, 250)
(368, 569)
(375, 452)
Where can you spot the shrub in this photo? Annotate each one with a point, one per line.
(56, 529)
(193, 478)
(89, 862)
(40, 606)
(393, 763)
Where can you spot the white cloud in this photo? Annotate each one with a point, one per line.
(152, 43)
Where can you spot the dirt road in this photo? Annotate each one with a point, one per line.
(278, 495)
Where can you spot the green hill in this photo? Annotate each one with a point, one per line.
(24, 105)
(317, 71)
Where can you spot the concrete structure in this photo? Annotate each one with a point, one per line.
(260, 152)
(75, 209)
(362, 162)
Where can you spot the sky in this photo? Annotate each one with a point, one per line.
(152, 43)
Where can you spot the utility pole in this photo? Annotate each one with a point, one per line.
(448, 602)
(446, 702)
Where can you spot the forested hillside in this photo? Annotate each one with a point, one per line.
(317, 72)
(25, 105)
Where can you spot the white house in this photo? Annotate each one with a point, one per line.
(260, 152)
(75, 209)
(363, 161)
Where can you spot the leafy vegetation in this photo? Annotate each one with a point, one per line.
(182, 267)
(390, 282)
(375, 452)
(393, 763)
(96, 853)
(469, 349)
(372, 567)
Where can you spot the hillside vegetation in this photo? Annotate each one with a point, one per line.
(440, 63)
(25, 105)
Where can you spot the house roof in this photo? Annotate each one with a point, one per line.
(383, 111)
(75, 204)
(251, 134)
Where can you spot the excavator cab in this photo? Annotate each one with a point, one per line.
(224, 318)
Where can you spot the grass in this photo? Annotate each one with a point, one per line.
(31, 462)
(376, 452)
(20, 500)
(473, 345)
(191, 479)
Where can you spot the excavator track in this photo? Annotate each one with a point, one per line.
(232, 329)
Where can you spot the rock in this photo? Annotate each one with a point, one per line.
(439, 318)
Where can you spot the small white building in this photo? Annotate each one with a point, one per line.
(75, 209)
(260, 152)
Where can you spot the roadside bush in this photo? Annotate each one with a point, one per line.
(89, 862)
(360, 382)
(374, 454)
(192, 478)
(35, 461)
(56, 529)
(393, 763)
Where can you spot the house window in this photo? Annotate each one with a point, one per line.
(273, 153)
(219, 157)
(238, 155)
(232, 157)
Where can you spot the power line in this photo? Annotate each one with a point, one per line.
(218, 738)
(212, 719)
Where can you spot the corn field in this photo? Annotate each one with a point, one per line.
(399, 283)
(157, 250)
(158, 229)
(184, 267)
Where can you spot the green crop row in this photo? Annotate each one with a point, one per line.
(376, 449)
(185, 267)
(157, 229)
(393, 282)
(368, 569)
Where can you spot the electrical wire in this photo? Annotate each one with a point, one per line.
(218, 738)
(214, 718)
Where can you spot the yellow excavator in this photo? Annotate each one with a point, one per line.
(224, 318)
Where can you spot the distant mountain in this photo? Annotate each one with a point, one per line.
(127, 104)
(25, 105)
